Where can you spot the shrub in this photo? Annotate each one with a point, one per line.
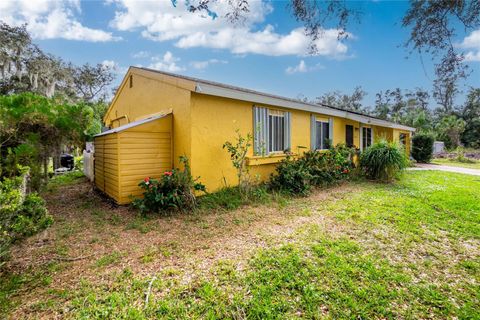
(174, 190)
(383, 160)
(292, 176)
(19, 216)
(238, 155)
(422, 147)
(329, 166)
(315, 168)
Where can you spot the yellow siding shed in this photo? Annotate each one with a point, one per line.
(124, 156)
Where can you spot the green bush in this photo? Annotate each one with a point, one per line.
(292, 176)
(175, 190)
(315, 168)
(383, 160)
(19, 217)
(422, 147)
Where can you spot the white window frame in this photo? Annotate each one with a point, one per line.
(363, 138)
(403, 143)
(262, 131)
(276, 124)
(321, 143)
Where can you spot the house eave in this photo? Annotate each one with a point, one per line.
(219, 91)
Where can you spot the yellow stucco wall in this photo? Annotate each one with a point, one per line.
(214, 121)
(201, 124)
(152, 93)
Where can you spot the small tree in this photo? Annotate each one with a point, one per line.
(450, 129)
(238, 154)
(422, 147)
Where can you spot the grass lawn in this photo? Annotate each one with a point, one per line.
(455, 163)
(360, 250)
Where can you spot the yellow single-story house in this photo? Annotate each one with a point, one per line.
(156, 117)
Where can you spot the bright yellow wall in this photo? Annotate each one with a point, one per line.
(396, 137)
(382, 133)
(214, 121)
(201, 124)
(152, 93)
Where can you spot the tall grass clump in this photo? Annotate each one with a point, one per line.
(383, 160)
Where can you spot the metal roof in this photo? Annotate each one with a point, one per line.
(132, 124)
(229, 91)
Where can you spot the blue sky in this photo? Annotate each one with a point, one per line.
(267, 52)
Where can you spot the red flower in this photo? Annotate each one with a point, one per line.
(168, 173)
(345, 171)
(146, 180)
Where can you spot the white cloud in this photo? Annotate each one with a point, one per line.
(200, 65)
(50, 19)
(167, 62)
(472, 42)
(302, 68)
(141, 55)
(161, 21)
(114, 66)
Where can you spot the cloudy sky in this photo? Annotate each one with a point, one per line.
(267, 52)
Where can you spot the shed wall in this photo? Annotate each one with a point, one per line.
(144, 151)
(106, 165)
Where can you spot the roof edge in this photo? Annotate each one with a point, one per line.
(133, 124)
(227, 91)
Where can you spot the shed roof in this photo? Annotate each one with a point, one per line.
(132, 124)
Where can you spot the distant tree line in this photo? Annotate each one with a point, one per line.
(455, 125)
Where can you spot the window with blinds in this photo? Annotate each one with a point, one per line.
(276, 133)
(271, 130)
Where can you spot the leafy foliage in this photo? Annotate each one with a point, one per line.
(33, 128)
(422, 147)
(20, 215)
(383, 160)
(470, 113)
(450, 129)
(238, 155)
(315, 168)
(175, 190)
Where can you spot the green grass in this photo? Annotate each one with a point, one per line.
(455, 163)
(64, 179)
(109, 259)
(407, 250)
(320, 276)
